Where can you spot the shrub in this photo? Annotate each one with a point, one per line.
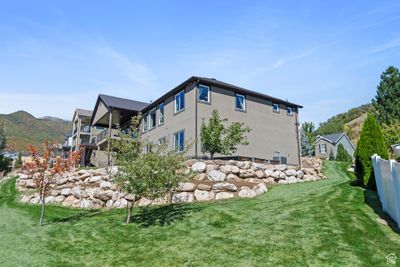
(331, 156)
(342, 154)
(371, 142)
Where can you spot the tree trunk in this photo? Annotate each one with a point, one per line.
(42, 200)
(128, 212)
(212, 156)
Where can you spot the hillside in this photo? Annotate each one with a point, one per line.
(350, 122)
(22, 128)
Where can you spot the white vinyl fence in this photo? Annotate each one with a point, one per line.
(387, 177)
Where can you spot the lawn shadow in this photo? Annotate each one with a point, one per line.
(76, 217)
(371, 199)
(163, 215)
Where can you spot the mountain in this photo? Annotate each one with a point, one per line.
(22, 129)
(350, 122)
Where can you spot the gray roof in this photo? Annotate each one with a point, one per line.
(83, 112)
(122, 103)
(215, 82)
(332, 137)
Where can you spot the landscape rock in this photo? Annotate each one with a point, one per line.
(224, 195)
(105, 185)
(260, 174)
(66, 191)
(95, 179)
(183, 197)
(199, 167)
(246, 192)
(202, 195)
(217, 176)
(188, 187)
(225, 186)
(205, 187)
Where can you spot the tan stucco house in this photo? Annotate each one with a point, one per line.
(176, 118)
(325, 144)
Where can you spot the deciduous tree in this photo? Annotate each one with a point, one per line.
(216, 137)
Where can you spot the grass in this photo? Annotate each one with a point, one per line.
(330, 222)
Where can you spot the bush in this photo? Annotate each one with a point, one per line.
(331, 156)
(5, 164)
(371, 142)
(343, 155)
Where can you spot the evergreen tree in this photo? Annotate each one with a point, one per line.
(371, 142)
(18, 162)
(387, 99)
(2, 137)
(307, 149)
(342, 154)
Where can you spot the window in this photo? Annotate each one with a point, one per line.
(240, 102)
(275, 107)
(144, 122)
(152, 119)
(147, 149)
(289, 111)
(204, 93)
(180, 101)
(161, 114)
(322, 148)
(179, 141)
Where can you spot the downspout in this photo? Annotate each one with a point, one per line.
(195, 121)
(109, 137)
(297, 137)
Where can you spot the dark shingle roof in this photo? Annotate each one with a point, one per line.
(212, 81)
(122, 103)
(332, 137)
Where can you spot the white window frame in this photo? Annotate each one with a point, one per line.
(325, 148)
(289, 111)
(179, 150)
(244, 102)
(208, 94)
(275, 107)
(159, 113)
(145, 123)
(149, 126)
(175, 102)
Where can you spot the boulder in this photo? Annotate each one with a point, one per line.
(201, 176)
(130, 197)
(205, 187)
(105, 185)
(260, 188)
(76, 191)
(223, 195)
(109, 204)
(281, 181)
(59, 199)
(66, 191)
(86, 204)
(62, 181)
(26, 198)
(291, 172)
(49, 199)
(120, 203)
(70, 201)
(182, 197)
(278, 175)
(246, 173)
(291, 179)
(299, 174)
(229, 169)
(188, 187)
(224, 187)
(34, 200)
(95, 179)
(281, 167)
(211, 167)
(202, 195)
(30, 183)
(270, 180)
(246, 192)
(161, 200)
(257, 166)
(54, 192)
(260, 174)
(103, 195)
(199, 167)
(216, 176)
(268, 173)
(232, 177)
(243, 164)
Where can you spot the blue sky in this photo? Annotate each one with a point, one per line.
(325, 55)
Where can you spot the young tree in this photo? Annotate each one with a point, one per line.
(342, 154)
(371, 142)
(217, 138)
(44, 170)
(387, 99)
(152, 174)
(307, 149)
(18, 162)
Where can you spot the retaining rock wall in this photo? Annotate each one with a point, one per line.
(214, 180)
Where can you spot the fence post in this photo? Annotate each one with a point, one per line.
(377, 172)
(394, 171)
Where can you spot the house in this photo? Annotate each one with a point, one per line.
(66, 144)
(177, 115)
(324, 144)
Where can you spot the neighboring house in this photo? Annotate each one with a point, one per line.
(176, 118)
(324, 144)
(67, 144)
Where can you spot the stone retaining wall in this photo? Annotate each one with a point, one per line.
(213, 180)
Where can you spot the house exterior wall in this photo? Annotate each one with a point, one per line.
(271, 132)
(329, 148)
(346, 144)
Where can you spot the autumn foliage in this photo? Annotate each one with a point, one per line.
(46, 168)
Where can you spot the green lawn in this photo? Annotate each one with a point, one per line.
(317, 223)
